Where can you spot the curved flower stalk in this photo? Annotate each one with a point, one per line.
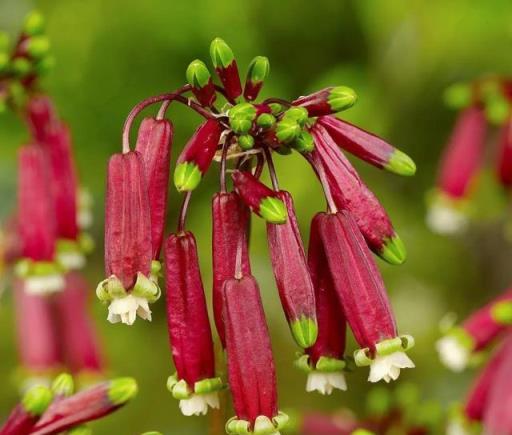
(361, 292)
(324, 361)
(251, 370)
(475, 333)
(129, 287)
(194, 383)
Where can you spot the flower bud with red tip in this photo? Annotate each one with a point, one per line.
(504, 164)
(87, 405)
(292, 275)
(251, 371)
(131, 284)
(367, 146)
(200, 79)
(194, 382)
(154, 144)
(476, 332)
(460, 164)
(226, 67)
(256, 75)
(81, 345)
(328, 101)
(361, 292)
(230, 220)
(196, 157)
(24, 416)
(350, 193)
(324, 361)
(36, 222)
(262, 201)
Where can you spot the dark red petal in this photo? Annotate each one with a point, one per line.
(187, 316)
(127, 220)
(251, 190)
(41, 116)
(504, 163)
(230, 79)
(316, 103)
(19, 422)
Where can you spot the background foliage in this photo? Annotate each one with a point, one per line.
(398, 55)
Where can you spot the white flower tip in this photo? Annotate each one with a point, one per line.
(452, 353)
(455, 427)
(84, 219)
(443, 219)
(72, 260)
(325, 382)
(127, 308)
(198, 404)
(42, 285)
(387, 367)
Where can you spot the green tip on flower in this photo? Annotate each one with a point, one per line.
(34, 23)
(304, 331)
(304, 143)
(221, 54)
(187, 176)
(122, 390)
(401, 164)
(458, 95)
(258, 69)
(393, 250)
(501, 312)
(287, 130)
(243, 110)
(240, 125)
(44, 65)
(38, 46)
(266, 120)
(341, 98)
(63, 385)
(362, 432)
(497, 109)
(246, 142)
(152, 433)
(21, 66)
(36, 400)
(276, 108)
(298, 114)
(273, 210)
(80, 430)
(197, 74)
(4, 60)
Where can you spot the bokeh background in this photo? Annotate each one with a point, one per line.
(398, 55)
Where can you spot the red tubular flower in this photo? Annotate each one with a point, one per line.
(504, 166)
(200, 80)
(476, 332)
(350, 193)
(262, 201)
(196, 157)
(154, 144)
(38, 343)
(251, 371)
(328, 101)
(459, 166)
(80, 342)
(256, 74)
(367, 146)
(130, 285)
(194, 382)
(361, 292)
(36, 223)
(324, 361)
(226, 67)
(24, 416)
(292, 276)
(230, 220)
(497, 416)
(87, 405)
(41, 116)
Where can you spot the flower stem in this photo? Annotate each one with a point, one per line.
(183, 212)
(271, 169)
(319, 169)
(223, 159)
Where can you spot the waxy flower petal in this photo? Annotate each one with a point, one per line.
(292, 276)
(154, 144)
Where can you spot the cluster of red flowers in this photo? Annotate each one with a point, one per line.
(489, 399)
(57, 410)
(44, 240)
(335, 283)
(483, 103)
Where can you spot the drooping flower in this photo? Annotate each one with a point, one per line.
(226, 67)
(292, 275)
(129, 287)
(251, 371)
(328, 101)
(194, 382)
(41, 116)
(230, 220)
(475, 333)
(350, 193)
(324, 360)
(361, 292)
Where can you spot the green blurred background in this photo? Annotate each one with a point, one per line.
(397, 54)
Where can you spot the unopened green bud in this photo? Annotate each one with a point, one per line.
(276, 108)
(341, 98)
(265, 120)
(458, 95)
(298, 114)
(36, 400)
(63, 385)
(80, 430)
(221, 54)
(304, 142)
(258, 69)
(287, 130)
(34, 23)
(44, 65)
(197, 74)
(187, 176)
(273, 210)
(501, 312)
(246, 142)
(243, 110)
(122, 390)
(21, 66)
(304, 331)
(38, 46)
(240, 125)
